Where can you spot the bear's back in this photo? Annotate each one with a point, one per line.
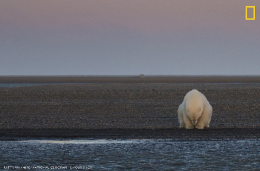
(194, 98)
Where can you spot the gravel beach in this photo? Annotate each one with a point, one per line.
(122, 106)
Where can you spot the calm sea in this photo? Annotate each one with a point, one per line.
(135, 154)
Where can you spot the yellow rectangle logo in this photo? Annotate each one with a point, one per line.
(253, 18)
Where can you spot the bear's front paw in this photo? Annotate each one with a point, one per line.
(189, 127)
(199, 127)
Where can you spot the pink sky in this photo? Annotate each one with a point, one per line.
(116, 22)
(140, 15)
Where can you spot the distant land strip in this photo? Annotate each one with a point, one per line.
(130, 79)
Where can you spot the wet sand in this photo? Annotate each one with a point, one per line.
(174, 134)
(124, 110)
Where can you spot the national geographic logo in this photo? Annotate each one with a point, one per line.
(251, 14)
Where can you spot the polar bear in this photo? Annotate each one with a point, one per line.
(194, 111)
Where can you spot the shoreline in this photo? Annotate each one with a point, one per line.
(129, 79)
(174, 134)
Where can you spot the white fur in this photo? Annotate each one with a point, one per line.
(194, 111)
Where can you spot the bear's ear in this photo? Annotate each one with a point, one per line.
(188, 109)
(199, 110)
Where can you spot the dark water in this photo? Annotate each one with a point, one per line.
(129, 155)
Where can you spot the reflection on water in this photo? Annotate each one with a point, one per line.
(133, 154)
(97, 141)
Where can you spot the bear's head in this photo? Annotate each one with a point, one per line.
(194, 112)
